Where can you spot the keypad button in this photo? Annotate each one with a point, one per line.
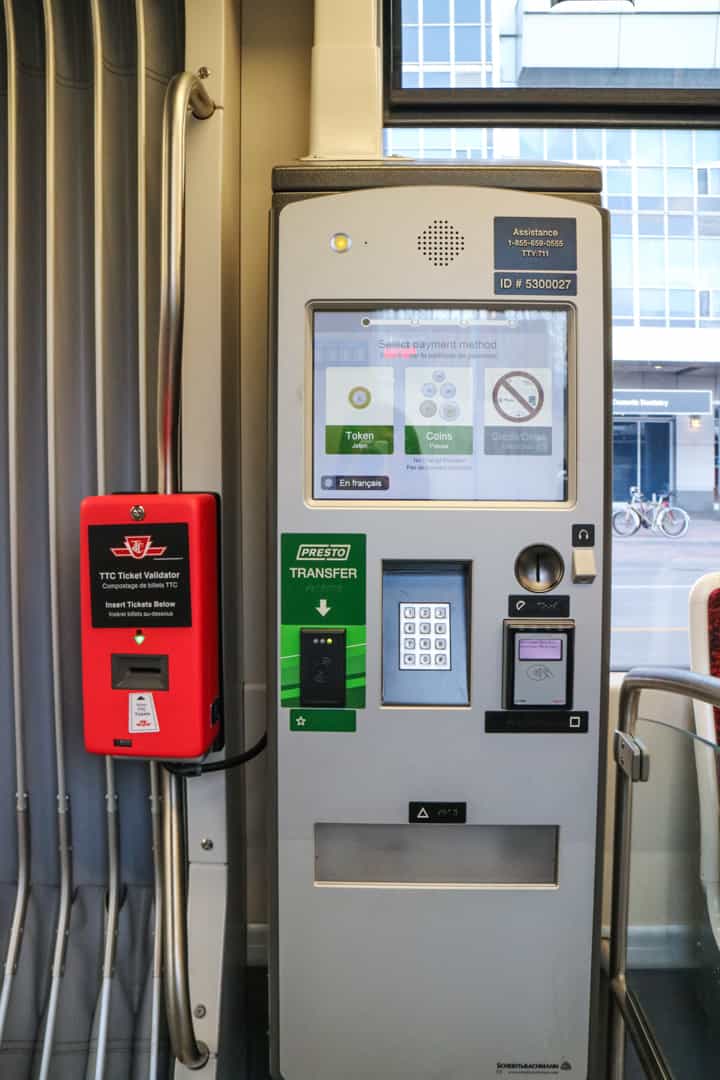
(440, 612)
(441, 659)
(409, 611)
(424, 612)
(409, 643)
(409, 659)
(425, 643)
(425, 628)
(440, 643)
(409, 628)
(440, 628)
(425, 659)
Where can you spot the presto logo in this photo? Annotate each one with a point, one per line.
(323, 553)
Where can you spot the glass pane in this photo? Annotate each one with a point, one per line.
(674, 932)
(681, 255)
(682, 303)
(680, 225)
(468, 10)
(436, 45)
(622, 256)
(410, 44)
(652, 302)
(651, 225)
(435, 11)
(651, 261)
(618, 145)
(650, 181)
(468, 44)
(578, 45)
(619, 181)
(666, 311)
(625, 466)
(678, 146)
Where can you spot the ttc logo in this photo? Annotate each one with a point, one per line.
(137, 547)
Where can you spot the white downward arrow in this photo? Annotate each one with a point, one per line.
(323, 608)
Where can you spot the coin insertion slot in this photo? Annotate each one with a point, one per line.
(133, 672)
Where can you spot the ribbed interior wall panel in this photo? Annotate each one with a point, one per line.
(79, 273)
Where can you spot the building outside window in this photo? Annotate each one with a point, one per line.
(663, 191)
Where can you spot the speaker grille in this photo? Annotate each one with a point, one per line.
(440, 242)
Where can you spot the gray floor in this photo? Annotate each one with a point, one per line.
(682, 1007)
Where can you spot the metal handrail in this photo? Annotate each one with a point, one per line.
(670, 681)
(111, 794)
(63, 795)
(15, 545)
(184, 93)
(154, 799)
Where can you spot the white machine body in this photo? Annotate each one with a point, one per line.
(437, 723)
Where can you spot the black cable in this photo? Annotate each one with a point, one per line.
(220, 766)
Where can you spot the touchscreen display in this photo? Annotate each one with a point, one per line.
(437, 404)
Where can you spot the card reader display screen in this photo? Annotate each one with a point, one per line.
(540, 648)
(434, 404)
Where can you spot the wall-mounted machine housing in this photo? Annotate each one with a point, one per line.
(150, 624)
(440, 649)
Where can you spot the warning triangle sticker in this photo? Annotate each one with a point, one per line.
(423, 814)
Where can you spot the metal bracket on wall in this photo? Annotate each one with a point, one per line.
(632, 757)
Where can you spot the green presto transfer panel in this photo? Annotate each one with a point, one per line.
(322, 588)
(438, 640)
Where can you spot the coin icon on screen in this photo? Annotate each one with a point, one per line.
(428, 409)
(359, 397)
(450, 410)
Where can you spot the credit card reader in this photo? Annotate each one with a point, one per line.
(539, 664)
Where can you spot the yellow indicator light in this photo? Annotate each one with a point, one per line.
(340, 242)
(139, 637)
(329, 641)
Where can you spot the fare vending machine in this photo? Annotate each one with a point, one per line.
(440, 474)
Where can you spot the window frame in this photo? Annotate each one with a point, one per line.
(529, 106)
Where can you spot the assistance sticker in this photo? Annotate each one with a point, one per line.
(142, 714)
(535, 245)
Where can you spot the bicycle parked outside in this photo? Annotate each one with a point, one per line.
(655, 514)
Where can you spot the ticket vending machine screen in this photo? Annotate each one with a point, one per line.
(441, 405)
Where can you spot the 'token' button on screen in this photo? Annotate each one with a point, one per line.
(355, 483)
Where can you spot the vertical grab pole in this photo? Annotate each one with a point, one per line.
(154, 772)
(21, 794)
(111, 798)
(63, 797)
(622, 844)
(185, 92)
